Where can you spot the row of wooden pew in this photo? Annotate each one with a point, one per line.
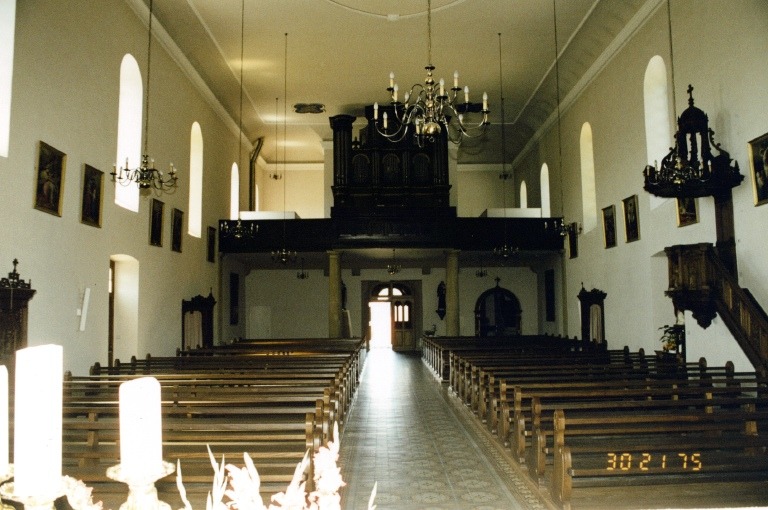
(576, 416)
(274, 406)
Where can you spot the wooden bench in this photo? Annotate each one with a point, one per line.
(537, 425)
(657, 449)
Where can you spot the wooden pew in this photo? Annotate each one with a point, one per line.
(608, 402)
(657, 449)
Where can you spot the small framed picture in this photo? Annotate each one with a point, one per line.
(758, 163)
(177, 225)
(50, 179)
(156, 223)
(93, 187)
(573, 240)
(631, 218)
(687, 211)
(211, 244)
(609, 226)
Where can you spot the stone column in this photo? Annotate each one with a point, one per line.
(334, 295)
(452, 293)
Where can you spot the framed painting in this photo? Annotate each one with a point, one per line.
(211, 244)
(573, 240)
(631, 218)
(177, 225)
(609, 226)
(758, 164)
(49, 187)
(156, 222)
(687, 211)
(93, 187)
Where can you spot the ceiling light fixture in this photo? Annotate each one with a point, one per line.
(146, 176)
(394, 267)
(690, 170)
(505, 250)
(429, 108)
(284, 255)
(239, 230)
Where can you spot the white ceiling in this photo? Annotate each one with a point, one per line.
(340, 53)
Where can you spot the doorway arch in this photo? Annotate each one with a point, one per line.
(392, 313)
(498, 313)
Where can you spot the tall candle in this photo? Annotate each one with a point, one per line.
(38, 421)
(3, 420)
(141, 443)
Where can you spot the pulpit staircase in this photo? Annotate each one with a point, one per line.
(699, 281)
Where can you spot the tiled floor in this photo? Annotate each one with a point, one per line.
(409, 436)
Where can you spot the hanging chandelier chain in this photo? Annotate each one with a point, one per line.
(149, 67)
(429, 32)
(242, 50)
(671, 59)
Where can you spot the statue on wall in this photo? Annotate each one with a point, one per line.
(441, 300)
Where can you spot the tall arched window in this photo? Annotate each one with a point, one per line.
(7, 27)
(234, 193)
(129, 117)
(658, 134)
(195, 181)
(546, 210)
(523, 195)
(588, 192)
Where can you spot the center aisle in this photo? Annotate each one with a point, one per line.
(405, 432)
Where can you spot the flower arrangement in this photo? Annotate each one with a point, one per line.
(240, 486)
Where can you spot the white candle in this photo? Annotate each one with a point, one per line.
(385, 120)
(392, 79)
(466, 93)
(455, 79)
(442, 87)
(38, 421)
(4, 456)
(394, 93)
(375, 111)
(141, 443)
(485, 100)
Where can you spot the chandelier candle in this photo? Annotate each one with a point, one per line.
(38, 419)
(141, 447)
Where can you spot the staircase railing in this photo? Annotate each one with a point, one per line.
(700, 282)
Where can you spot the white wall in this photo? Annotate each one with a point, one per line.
(65, 92)
(718, 47)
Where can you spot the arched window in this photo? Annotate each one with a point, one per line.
(523, 195)
(195, 181)
(658, 134)
(7, 27)
(234, 193)
(546, 210)
(129, 117)
(588, 192)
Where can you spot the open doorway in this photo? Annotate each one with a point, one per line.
(123, 308)
(393, 314)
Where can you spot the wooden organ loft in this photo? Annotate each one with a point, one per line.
(377, 178)
(393, 195)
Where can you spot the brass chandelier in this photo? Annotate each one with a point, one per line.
(427, 109)
(146, 176)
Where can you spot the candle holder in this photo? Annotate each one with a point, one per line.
(37, 502)
(142, 494)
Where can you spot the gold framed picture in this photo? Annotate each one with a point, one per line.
(609, 226)
(49, 187)
(156, 222)
(687, 211)
(758, 164)
(631, 218)
(93, 186)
